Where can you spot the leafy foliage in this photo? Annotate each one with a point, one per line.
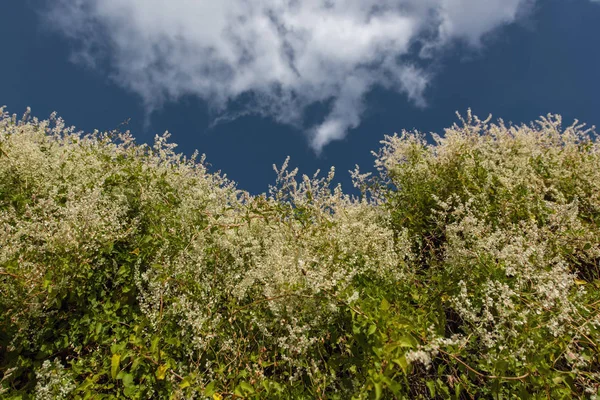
(468, 268)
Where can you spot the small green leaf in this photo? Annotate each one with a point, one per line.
(98, 327)
(402, 363)
(89, 382)
(130, 391)
(127, 380)
(431, 387)
(246, 387)
(378, 390)
(385, 305)
(457, 390)
(209, 390)
(407, 341)
(185, 383)
(154, 345)
(161, 371)
(114, 365)
(372, 329)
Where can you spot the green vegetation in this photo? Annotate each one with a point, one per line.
(467, 269)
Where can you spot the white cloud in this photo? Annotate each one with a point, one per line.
(284, 54)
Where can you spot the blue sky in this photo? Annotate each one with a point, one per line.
(249, 83)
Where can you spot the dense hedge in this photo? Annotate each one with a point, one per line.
(468, 268)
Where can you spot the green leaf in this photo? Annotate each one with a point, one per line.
(245, 387)
(154, 345)
(98, 327)
(127, 380)
(161, 371)
(378, 390)
(431, 387)
(402, 363)
(88, 383)
(407, 341)
(185, 383)
(209, 390)
(457, 390)
(114, 365)
(130, 391)
(385, 305)
(372, 329)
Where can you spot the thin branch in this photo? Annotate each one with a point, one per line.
(304, 296)
(13, 275)
(233, 395)
(269, 299)
(356, 310)
(509, 378)
(176, 374)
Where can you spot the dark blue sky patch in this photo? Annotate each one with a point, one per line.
(549, 64)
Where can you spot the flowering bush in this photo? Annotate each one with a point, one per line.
(467, 268)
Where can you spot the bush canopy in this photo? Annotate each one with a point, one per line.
(467, 268)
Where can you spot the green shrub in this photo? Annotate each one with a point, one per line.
(468, 268)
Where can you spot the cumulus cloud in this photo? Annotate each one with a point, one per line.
(275, 57)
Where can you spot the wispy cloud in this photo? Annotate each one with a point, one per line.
(280, 55)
